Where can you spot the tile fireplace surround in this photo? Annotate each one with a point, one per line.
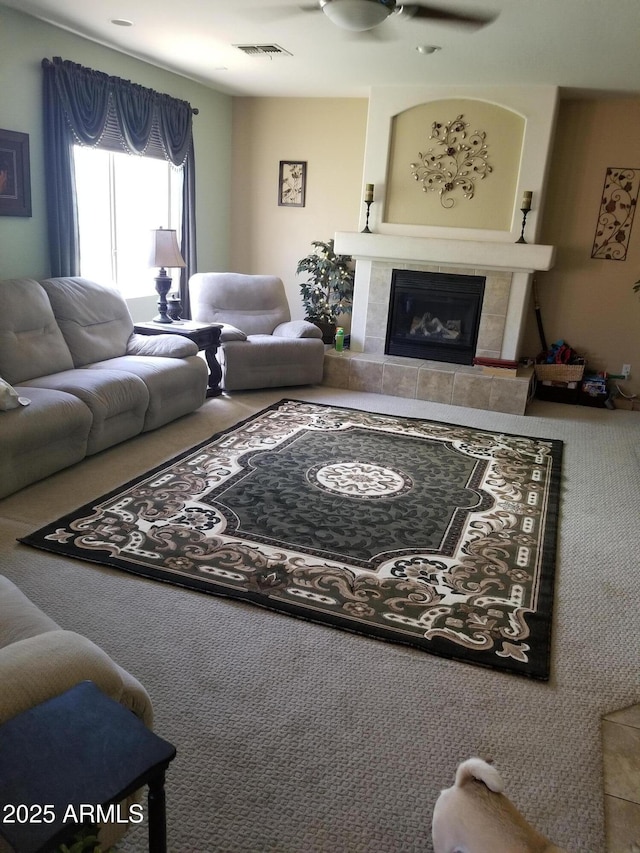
(507, 268)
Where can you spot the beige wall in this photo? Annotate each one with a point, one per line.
(590, 303)
(494, 199)
(327, 133)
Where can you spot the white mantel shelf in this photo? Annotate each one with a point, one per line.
(521, 257)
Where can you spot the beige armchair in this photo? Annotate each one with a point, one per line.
(40, 660)
(260, 345)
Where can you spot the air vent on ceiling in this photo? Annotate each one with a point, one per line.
(269, 50)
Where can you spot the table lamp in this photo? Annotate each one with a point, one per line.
(164, 253)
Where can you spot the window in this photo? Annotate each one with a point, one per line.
(122, 198)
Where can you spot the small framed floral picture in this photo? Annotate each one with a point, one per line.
(292, 183)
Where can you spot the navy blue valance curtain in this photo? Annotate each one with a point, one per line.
(93, 108)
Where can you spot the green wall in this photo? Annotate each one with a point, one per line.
(24, 43)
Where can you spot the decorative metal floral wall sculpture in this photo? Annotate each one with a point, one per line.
(619, 200)
(457, 160)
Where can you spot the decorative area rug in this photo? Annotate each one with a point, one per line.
(439, 536)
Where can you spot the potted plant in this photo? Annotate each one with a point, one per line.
(328, 290)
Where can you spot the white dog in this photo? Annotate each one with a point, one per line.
(474, 816)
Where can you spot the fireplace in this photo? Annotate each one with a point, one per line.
(434, 315)
(505, 270)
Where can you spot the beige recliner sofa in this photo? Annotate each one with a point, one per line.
(68, 347)
(39, 660)
(260, 345)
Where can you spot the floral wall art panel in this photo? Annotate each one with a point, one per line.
(619, 200)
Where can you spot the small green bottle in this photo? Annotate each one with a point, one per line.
(339, 339)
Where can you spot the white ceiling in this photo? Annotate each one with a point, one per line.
(579, 45)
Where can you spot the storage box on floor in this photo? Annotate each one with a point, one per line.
(594, 391)
(628, 404)
(558, 392)
(558, 383)
(590, 391)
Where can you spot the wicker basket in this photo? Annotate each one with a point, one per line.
(559, 372)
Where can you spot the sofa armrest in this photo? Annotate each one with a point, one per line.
(297, 329)
(20, 618)
(168, 346)
(231, 333)
(41, 667)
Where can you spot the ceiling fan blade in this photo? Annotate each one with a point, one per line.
(434, 13)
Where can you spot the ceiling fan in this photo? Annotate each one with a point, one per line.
(362, 15)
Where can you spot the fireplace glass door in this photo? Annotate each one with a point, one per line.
(434, 316)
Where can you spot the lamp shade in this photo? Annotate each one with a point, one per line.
(164, 249)
(356, 15)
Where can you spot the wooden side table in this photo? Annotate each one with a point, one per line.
(205, 335)
(70, 755)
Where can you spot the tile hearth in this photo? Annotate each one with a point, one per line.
(434, 381)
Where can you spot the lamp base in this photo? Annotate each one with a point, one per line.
(163, 284)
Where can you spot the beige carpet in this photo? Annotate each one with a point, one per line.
(296, 738)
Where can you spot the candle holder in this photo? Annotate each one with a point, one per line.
(366, 229)
(525, 213)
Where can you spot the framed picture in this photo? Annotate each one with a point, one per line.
(292, 183)
(15, 180)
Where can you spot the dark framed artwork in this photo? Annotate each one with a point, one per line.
(15, 180)
(292, 183)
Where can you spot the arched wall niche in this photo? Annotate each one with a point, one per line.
(533, 108)
(494, 196)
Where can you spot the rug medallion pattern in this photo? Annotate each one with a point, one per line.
(431, 534)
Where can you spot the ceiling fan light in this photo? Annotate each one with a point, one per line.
(356, 15)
